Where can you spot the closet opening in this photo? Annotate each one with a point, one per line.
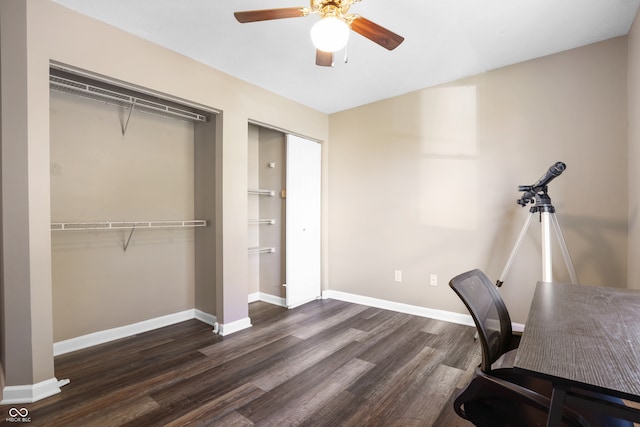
(132, 208)
(284, 190)
(266, 213)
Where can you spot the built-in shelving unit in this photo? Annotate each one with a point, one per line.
(261, 221)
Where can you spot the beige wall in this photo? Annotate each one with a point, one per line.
(426, 183)
(97, 174)
(42, 31)
(205, 208)
(2, 315)
(634, 152)
(26, 246)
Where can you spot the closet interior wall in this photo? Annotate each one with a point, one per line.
(152, 172)
(205, 206)
(267, 213)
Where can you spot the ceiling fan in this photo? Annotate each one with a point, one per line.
(331, 33)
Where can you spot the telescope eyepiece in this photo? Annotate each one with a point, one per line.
(557, 169)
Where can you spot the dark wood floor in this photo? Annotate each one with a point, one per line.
(327, 363)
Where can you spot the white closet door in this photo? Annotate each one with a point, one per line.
(302, 221)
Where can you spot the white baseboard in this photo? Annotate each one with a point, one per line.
(207, 318)
(447, 316)
(232, 327)
(14, 394)
(101, 337)
(271, 299)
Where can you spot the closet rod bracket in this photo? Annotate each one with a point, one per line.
(126, 245)
(126, 124)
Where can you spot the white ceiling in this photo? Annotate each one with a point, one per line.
(444, 40)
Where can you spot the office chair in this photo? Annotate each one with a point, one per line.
(498, 395)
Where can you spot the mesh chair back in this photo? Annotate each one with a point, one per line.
(488, 311)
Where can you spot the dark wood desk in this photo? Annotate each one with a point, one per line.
(584, 337)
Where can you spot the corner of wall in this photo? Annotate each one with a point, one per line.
(2, 382)
(2, 329)
(2, 355)
(633, 135)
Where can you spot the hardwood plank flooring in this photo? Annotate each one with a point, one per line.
(327, 363)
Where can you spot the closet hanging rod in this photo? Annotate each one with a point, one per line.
(96, 93)
(119, 225)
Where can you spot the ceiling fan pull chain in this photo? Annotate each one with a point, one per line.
(346, 54)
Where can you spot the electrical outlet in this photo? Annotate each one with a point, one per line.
(433, 280)
(398, 276)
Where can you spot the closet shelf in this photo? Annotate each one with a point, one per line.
(112, 97)
(260, 192)
(118, 225)
(258, 250)
(268, 221)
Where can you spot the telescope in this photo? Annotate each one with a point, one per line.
(538, 196)
(541, 185)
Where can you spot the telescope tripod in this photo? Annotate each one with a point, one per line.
(547, 215)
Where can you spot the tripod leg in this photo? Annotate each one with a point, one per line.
(514, 251)
(547, 270)
(565, 250)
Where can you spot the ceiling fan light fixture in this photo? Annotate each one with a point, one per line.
(330, 34)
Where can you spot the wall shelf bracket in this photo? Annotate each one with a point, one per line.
(126, 245)
(126, 124)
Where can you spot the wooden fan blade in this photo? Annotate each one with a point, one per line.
(324, 59)
(268, 14)
(376, 33)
